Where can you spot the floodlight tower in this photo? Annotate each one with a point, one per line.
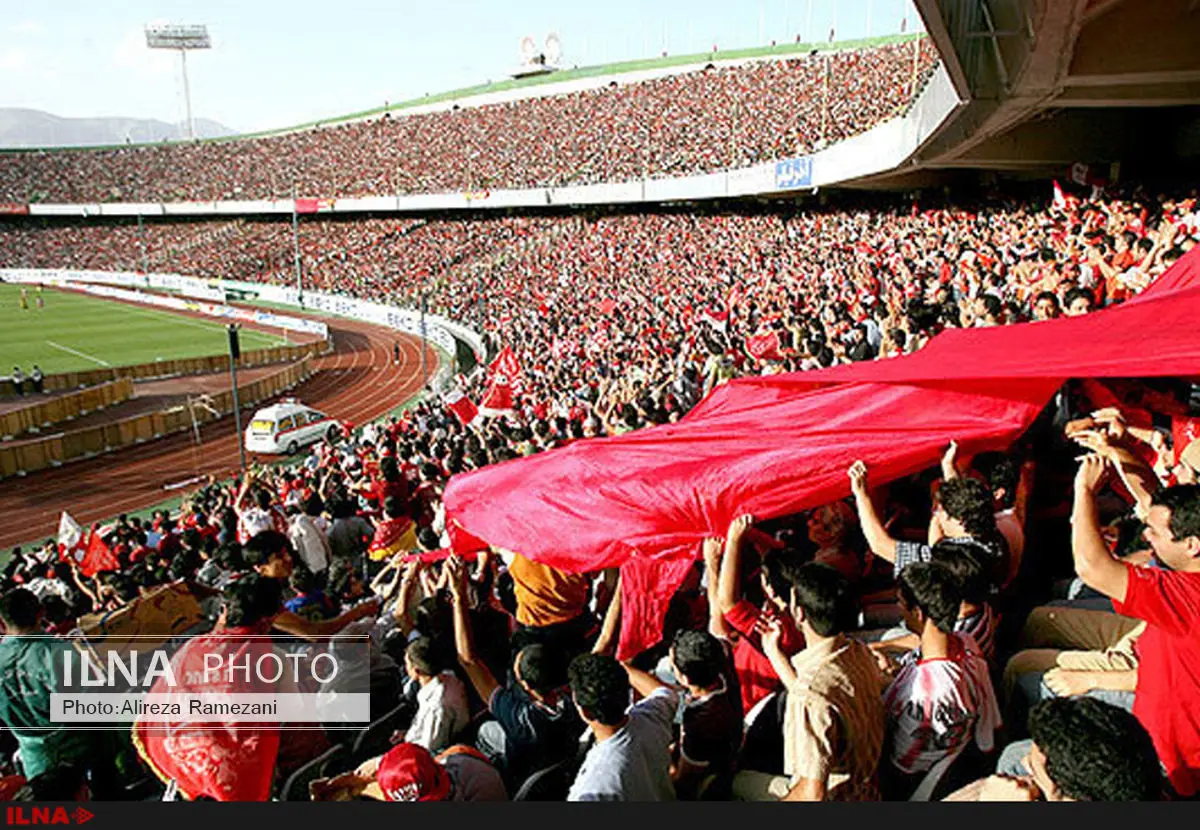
(182, 38)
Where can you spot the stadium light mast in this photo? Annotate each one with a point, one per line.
(182, 38)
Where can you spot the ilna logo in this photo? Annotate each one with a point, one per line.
(46, 815)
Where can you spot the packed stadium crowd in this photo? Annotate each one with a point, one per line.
(1012, 626)
(681, 298)
(698, 122)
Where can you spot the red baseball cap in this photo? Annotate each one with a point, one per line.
(409, 773)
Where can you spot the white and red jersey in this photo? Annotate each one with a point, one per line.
(935, 707)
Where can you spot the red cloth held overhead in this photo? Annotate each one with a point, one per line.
(774, 445)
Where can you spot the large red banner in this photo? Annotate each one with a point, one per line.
(775, 445)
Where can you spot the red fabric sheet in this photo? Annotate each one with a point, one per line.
(779, 444)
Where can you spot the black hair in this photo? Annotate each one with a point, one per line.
(931, 587)
(342, 508)
(542, 667)
(251, 599)
(992, 305)
(184, 565)
(19, 608)
(55, 609)
(338, 577)
(314, 504)
(424, 654)
(304, 581)
(969, 565)
(393, 507)
(971, 503)
(1001, 472)
(262, 546)
(433, 616)
(829, 604)
(775, 563)
(229, 557)
(1095, 751)
(1078, 293)
(428, 539)
(1047, 295)
(700, 657)
(506, 592)
(600, 687)
(1183, 500)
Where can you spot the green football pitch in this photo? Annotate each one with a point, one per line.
(77, 332)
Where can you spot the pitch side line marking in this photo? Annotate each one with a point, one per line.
(78, 354)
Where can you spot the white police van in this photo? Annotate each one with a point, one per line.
(287, 426)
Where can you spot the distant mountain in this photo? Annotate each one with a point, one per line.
(34, 128)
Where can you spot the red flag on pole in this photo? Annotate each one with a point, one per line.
(463, 407)
(304, 206)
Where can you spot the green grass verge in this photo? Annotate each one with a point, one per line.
(539, 80)
(77, 332)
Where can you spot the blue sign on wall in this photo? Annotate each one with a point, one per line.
(795, 172)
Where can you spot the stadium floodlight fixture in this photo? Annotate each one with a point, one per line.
(182, 38)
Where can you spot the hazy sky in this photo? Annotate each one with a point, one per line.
(274, 64)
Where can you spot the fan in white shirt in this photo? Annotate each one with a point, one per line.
(442, 711)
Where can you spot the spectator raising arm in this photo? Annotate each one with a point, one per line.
(729, 593)
(881, 544)
(479, 675)
(712, 573)
(610, 629)
(298, 626)
(1093, 563)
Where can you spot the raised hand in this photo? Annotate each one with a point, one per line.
(858, 478)
(1094, 471)
(740, 525)
(949, 461)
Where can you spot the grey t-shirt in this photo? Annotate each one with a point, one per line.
(473, 779)
(635, 763)
(345, 537)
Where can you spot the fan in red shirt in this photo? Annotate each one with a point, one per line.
(742, 621)
(1167, 698)
(390, 484)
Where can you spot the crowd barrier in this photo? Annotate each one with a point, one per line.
(176, 368)
(53, 450)
(45, 413)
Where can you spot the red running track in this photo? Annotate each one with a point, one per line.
(358, 382)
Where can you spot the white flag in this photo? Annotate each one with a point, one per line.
(69, 532)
